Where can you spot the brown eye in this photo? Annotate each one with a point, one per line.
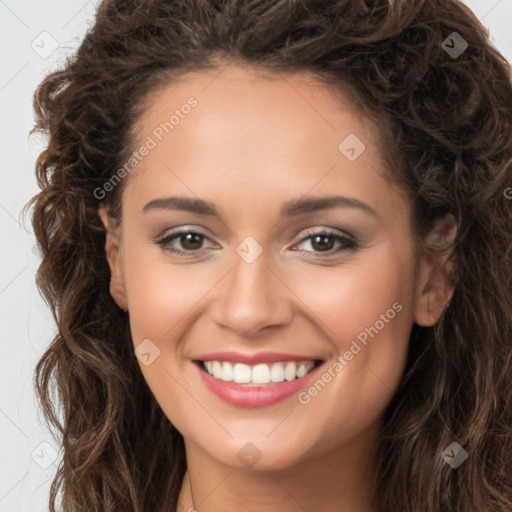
(324, 241)
(191, 241)
(185, 242)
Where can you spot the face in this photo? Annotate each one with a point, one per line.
(288, 252)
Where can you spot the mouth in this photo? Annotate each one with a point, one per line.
(258, 375)
(256, 380)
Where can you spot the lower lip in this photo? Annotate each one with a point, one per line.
(254, 396)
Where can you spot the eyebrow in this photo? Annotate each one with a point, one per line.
(289, 209)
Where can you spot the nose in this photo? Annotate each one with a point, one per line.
(252, 297)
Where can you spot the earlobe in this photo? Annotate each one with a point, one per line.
(113, 255)
(434, 294)
(436, 275)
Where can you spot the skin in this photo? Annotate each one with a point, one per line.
(250, 145)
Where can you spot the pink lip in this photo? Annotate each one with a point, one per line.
(251, 359)
(261, 396)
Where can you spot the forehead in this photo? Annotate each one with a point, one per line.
(258, 103)
(274, 133)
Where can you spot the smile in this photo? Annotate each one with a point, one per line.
(255, 380)
(259, 374)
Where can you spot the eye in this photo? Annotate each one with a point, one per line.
(324, 240)
(190, 241)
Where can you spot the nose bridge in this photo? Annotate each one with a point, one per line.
(252, 296)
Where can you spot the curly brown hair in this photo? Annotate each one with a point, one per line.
(446, 126)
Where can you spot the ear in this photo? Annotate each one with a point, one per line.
(436, 271)
(114, 258)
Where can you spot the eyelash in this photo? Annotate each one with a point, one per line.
(348, 242)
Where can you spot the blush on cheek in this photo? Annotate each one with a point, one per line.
(349, 302)
(159, 294)
(154, 314)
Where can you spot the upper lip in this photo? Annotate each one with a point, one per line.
(255, 358)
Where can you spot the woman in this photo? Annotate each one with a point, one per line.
(276, 240)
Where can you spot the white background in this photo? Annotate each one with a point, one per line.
(27, 451)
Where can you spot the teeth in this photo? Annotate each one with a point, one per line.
(241, 373)
(217, 369)
(277, 372)
(290, 371)
(302, 370)
(259, 374)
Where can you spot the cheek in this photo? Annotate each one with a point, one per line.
(367, 314)
(366, 311)
(369, 294)
(163, 299)
(160, 294)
